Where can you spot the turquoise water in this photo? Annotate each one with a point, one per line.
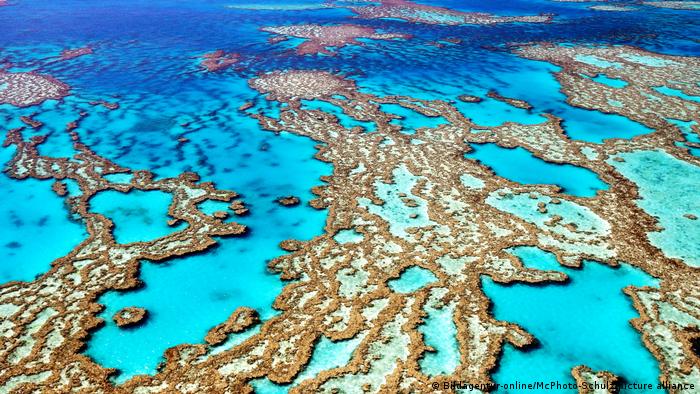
(348, 236)
(265, 386)
(492, 112)
(585, 321)
(598, 62)
(440, 332)
(118, 178)
(209, 288)
(668, 188)
(511, 76)
(210, 207)
(689, 134)
(596, 127)
(676, 93)
(520, 165)
(400, 215)
(412, 279)
(612, 82)
(137, 215)
(326, 355)
(36, 228)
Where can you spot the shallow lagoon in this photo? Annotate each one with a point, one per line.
(669, 190)
(412, 279)
(520, 165)
(210, 286)
(326, 355)
(138, 216)
(585, 322)
(440, 332)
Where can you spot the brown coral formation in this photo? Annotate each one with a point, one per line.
(219, 60)
(68, 54)
(288, 201)
(25, 89)
(130, 316)
(240, 320)
(469, 98)
(238, 208)
(31, 122)
(517, 103)
(106, 104)
(456, 221)
(420, 13)
(590, 382)
(309, 84)
(321, 37)
(676, 5)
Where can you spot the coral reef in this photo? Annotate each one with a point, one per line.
(130, 316)
(419, 13)
(321, 37)
(25, 89)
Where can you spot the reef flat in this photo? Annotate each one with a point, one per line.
(522, 208)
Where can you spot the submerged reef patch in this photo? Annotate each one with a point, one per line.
(218, 60)
(319, 38)
(68, 54)
(419, 13)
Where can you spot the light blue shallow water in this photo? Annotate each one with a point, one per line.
(412, 279)
(690, 136)
(676, 93)
(326, 355)
(401, 216)
(36, 229)
(440, 332)
(520, 165)
(669, 190)
(612, 82)
(348, 236)
(585, 321)
(137, 215)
